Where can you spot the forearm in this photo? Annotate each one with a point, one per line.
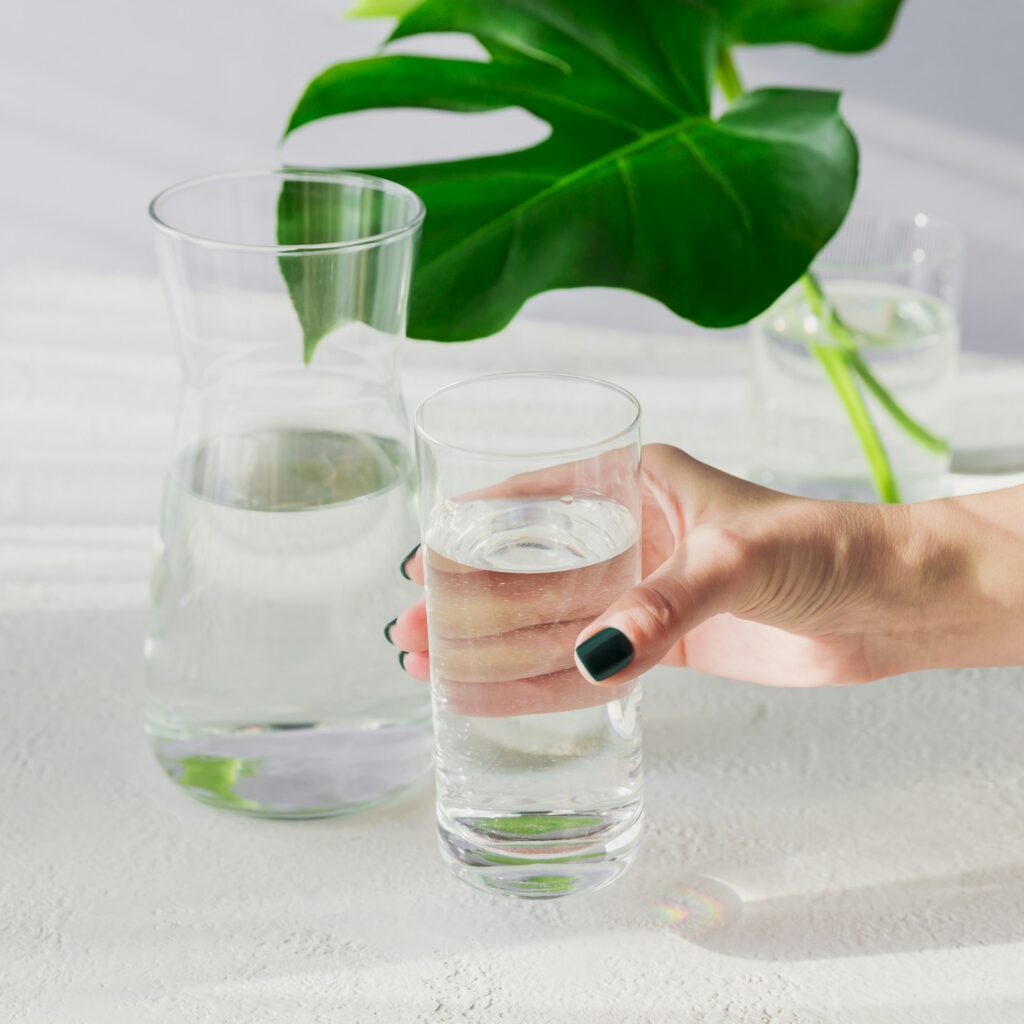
(958, 572)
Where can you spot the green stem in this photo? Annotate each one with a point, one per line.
(837, 368)
(847, 338)
(839, 362)
(728, 77)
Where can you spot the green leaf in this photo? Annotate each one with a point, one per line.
(216, 777)
(636, 187)
(337, 285)
(845, 26)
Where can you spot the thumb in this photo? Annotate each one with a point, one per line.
(703, 577)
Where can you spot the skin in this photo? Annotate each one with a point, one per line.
(744, 582)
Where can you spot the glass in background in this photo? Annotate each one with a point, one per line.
(896, 282)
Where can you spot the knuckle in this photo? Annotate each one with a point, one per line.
(732, 565)
(659, 450)
(654, 616)
(732, 549)
(658, 457)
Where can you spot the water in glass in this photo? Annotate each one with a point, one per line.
(270, 683)
(538, 770)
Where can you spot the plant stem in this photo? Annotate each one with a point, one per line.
(847, 338)
(837, 368)
(728, 76)
(839, 362)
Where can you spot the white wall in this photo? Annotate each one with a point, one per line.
(103, 102)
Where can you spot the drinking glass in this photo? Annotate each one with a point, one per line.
(289, 499)
(530, 516)
(896, 281)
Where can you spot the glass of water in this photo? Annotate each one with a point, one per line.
(895, 281)
(289, 498)
(530, 515)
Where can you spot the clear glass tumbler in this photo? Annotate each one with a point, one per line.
(895, 281)
(289, 500)
(530, 513)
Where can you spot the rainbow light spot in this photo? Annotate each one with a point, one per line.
(699, 910)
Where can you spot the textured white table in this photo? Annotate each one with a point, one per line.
(852, 856)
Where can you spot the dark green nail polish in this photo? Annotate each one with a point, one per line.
(405, 561)
(401, 658)
(387, 631)
(606, 652)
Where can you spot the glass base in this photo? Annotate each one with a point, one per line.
(302, 771)
(542, 856)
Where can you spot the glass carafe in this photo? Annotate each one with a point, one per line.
(289, 502)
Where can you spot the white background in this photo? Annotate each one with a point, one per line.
(104, 102)
(849, 856)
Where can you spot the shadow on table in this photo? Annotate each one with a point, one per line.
(978, 908)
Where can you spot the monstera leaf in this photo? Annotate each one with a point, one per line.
(637, 186)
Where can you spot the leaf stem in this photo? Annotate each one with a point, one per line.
(728, 77)
(837, 368)
(847, 338)
(840, 363)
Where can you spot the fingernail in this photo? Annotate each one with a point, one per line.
(606, 652)
(405, 561)
(387, 631)
(401, 658)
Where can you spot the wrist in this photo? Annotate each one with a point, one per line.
(960, 593)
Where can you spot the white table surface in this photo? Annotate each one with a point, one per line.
(853, 856)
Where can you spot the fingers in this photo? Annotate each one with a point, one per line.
(417, 664)
(522, 653)
(540, 650)
(506, 643)
(412, 565)
(409, 631)
(485, 681)
(707, 574)
(502, 642)
(470, 604)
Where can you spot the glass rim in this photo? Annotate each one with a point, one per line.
(370, 182)
(953, 250)
(435, 442)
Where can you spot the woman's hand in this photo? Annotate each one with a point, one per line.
(745, 582)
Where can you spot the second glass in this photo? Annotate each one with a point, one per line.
(530, 513)
(289, 500)
(895, 282)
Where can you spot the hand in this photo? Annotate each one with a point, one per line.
(502, 643)
(742, 581)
